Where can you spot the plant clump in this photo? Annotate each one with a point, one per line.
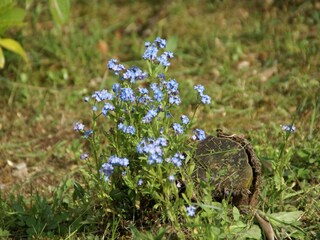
(140, 151)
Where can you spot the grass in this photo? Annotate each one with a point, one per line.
(259, 63)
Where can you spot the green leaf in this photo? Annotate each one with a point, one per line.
(2, 60)
(252, 233)
(235, 213)
(11, 17)
(13, 46)
(6, 5)
(172, 43)
(60, 11)
(286, 217)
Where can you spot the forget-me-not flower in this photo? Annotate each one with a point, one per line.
(102, 95)
(126, 129)
(78, 126)
(107, 107)
(184, 119)
(199, 134)
(116, 68)
(150, 115)
(134, 73)
(288, 128)
(106, 171)
(174, 100)
(205, 99)
(199, 88)
(171, 178)
(127, 95)
(84, 156)
(177, 128)
(191, 211)
(115, 160)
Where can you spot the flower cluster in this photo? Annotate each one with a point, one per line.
(152, 49)
(205, 99)
(177, 159)
(141, 105)
(153, 148)
(126, 129)
(107, 169)
(114, 160)
(198, 135)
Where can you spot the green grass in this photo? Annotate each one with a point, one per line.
(211, 39)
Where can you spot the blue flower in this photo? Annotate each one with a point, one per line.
(107, 107)
(152, 147)
(94, 108)
(154, 158)
(177, 128)
(127, 95)
(169, 54)
(191, 211)
(161, 141)
(199, 88)
(288, 128)
(177, 159)
(143, 90)
(106, 171)
(87, 133)
(140, 182)
(102, 95)
(205, 99)
(84, 156)
(135, 73)
(184, 119)
(114, 160)
(161, 42)
(150, 53)
(161, 76)
(150, 115)
(174, 100)
(199, 134)
(116, 88)
(163, 59)
(78, 126)
(145, 99)
(172, 86)
(141, 146)
(158, 94)
(126, 129)
(117, 68)
(171, 178)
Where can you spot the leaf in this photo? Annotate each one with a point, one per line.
(235, 213)
(172, 43)
(286, 217)
(2, 60)
(13, 46)
(6, 5)
(60, 11)
(11, 17)
(252, 233)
